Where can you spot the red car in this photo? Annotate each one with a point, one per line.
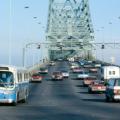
(93, 70)
(97, 86)
(87, 81)
(36, 77)
(76, 70)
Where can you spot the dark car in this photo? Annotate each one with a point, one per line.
(113, 89)
(43, 70)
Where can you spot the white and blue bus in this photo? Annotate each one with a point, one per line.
(14, 84)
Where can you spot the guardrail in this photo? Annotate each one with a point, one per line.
(31, 69)
(108, 64)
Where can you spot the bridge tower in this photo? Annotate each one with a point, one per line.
(69, 28)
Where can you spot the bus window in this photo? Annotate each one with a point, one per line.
(6, 79)
(19, 77)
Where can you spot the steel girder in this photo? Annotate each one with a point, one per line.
(69, 24)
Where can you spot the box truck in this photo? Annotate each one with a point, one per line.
(108, 72)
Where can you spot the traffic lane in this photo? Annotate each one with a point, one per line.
(68, 100)
(92, 106)
(95, 101)
(58, 100)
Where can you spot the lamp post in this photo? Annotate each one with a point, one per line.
(10, 30)
(24, 49)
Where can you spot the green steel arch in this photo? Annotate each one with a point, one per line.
(69, 27)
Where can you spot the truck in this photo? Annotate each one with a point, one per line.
(108, 72)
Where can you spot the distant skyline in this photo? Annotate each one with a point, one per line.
(29, 24)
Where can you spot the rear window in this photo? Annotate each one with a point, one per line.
(43, 68)
(111, 82)
(36, 75)
(56, 73)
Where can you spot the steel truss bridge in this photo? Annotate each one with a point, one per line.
(69, 28)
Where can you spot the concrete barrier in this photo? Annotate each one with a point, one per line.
(32, 69)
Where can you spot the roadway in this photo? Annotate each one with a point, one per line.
(61, 100)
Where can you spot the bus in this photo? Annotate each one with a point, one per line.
(14, 84)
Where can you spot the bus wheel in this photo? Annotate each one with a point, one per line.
(25, 97)
(16, 101)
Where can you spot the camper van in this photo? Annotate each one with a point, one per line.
(108, 72)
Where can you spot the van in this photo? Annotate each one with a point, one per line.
(108, 72)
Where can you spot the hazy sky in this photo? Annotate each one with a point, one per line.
(22, 28)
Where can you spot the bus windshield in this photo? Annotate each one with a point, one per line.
(6, 79)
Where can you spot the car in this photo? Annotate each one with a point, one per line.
(113, 89)
(74, 65)
(88, 80)
(82, 62)
(43, 70)
(51, 63)
(36, 77)
(93, 70)
(97, 86)
(65, 73)
(57, 75)
(76, 70)
(82, 74)
(60, 59)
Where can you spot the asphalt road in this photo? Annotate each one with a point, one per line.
(61, 100)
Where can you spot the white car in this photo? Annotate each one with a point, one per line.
(52, 63)
(82, 75)
(65, 74)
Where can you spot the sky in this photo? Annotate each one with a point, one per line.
(18, 27)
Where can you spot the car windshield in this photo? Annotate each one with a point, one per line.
(56, 73)
(43, 68)
(35, 75)
(98, 82)
(6, 79)
(64, 71)
(82, 72)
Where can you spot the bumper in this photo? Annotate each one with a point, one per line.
(6, 100)
(98, 90)
(65, 75)
(117, 97)
(59, 78)
(36, 80)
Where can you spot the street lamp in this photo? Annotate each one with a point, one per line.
(26, 46)
(10, 31)
(26, 7)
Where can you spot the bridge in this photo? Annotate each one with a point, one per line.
(69, 28)
(69, 33)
